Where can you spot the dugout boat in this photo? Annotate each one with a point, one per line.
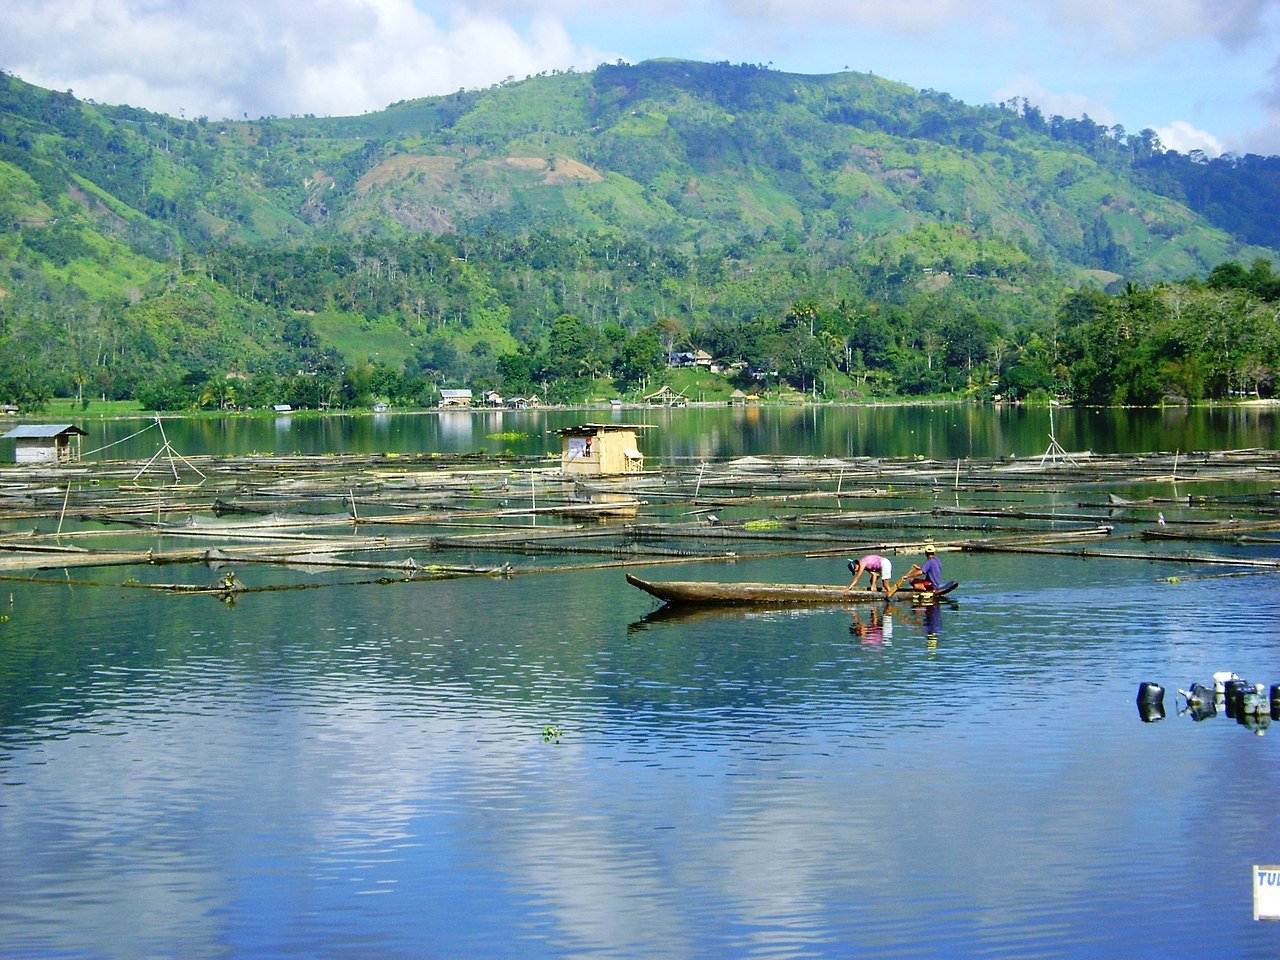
(698, 591)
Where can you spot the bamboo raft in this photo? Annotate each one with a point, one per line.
(397, 515)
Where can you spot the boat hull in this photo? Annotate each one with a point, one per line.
(694, 591)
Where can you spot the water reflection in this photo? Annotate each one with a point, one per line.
(361, 771)
(876, 627)
(945, 432)
(1248, 704)
(876, 630)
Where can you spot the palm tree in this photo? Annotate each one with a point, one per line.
(218, 392)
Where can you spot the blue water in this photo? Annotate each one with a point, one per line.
(366, 772)
(547, 767)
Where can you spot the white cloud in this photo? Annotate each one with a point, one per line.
(1131, 25)
(1266, 139)
(1139, 25)
(1183, 137)
(227, 57)
(1053, 103)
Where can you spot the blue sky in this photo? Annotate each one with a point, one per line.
(1203, 73)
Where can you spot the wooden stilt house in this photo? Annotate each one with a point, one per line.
(599, 449)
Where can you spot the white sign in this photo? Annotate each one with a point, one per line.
(1266, 893)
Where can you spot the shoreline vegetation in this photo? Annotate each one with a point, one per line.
(64, 409)
(1145, 347)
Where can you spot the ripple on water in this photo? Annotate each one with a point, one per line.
(371, 773)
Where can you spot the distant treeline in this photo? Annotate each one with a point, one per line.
(240, 327)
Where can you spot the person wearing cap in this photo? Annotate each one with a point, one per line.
(929, 576)
(880, 568)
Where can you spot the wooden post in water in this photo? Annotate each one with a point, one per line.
(61, 516)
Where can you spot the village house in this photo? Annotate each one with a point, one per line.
(690, 358)
(455, 398)
(45, 443)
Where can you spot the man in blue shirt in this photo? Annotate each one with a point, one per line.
(930, 573)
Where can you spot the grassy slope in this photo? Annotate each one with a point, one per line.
(682, 155)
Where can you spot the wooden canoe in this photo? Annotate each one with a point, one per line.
(695, 591)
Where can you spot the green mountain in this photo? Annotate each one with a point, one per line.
(441, 235)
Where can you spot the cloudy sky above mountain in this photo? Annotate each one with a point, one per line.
(1204, 73)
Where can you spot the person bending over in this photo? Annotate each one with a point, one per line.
(880, 568)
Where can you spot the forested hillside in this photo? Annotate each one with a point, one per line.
(840, 235)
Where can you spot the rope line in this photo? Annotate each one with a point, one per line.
(121, 440)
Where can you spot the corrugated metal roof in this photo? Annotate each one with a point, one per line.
(592, 429)
(43, 431)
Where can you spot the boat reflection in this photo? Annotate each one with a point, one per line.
(874, 627)
(688, 613)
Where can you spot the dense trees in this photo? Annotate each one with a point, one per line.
(841, 236)
(482, 323)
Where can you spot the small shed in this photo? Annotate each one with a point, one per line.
(45, 442)
(455, 398)
(597, 449)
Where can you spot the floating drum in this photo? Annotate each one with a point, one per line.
(1199, 695)
(1150, 702)
(1202, 701)
(1203, 711)
(1150, 693)
(1252, 702)
(1234, 694)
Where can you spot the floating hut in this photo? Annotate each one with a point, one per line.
(44, 443)
(597, 449)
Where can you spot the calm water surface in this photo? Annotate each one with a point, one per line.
(367, 771)
(931, 431)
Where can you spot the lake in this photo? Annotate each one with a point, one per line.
(944, 431)
(548, 766)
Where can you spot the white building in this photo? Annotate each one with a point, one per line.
(44, 442)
